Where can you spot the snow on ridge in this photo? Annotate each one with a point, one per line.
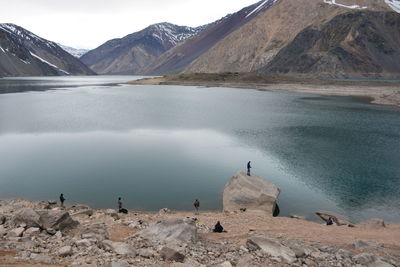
(48, 63)
(1, 48)
(173, 33)
(333, 2)
(259, 7)
(394, 4)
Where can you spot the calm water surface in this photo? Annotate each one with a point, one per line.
(94, 139)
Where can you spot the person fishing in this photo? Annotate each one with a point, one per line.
(119, 204)
(248, 168)
(62, 199)
(218, 228)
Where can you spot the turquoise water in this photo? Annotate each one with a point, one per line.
(94, 140)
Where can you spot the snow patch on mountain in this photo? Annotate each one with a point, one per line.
(172, 33)
(394, 4)
(24, 34)
(1, 48)
(333, 2)
(76, 52)
(48, 63)
(260, 6)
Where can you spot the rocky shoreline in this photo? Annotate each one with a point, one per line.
(382, 93)
(46, 234)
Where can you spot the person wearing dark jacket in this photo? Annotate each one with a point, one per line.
(119, 204)
(248, 168)
(218, 228)
(62, 199)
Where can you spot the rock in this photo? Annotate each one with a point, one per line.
(65, 251)
(342, 253)
(41, 258)
(373, 223)
(83, 243)
(358, 244)
(380, 263)
(225, 264)
(171, 255)
(250, 192)
(337, 218)
(246, 261)
(299, 217)
(88, 212)
(2, 219)
(300, 251)
(164, 211)
(112, 213)
(32, 231)
(28, 216)
(146, 253)
(272, 248)
(17, 232)
(364, 258)
(3, 231)
(97, 231)
(119, 247)
(120, 264)
(57, 219)
(172, 231)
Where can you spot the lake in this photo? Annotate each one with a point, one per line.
(95, 139)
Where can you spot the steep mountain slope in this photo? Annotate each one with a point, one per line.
(350, 45)
(134, 52)
(23, 53)
(176, 59)
(76, 52)
(257, 43)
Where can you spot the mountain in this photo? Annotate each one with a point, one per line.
(76, 52)
(178, 58)
(134, 52)
(334, 38)
(23, 53)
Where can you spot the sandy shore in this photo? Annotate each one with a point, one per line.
(383, 94)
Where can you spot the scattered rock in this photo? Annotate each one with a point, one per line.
(119, 247)
(172, 231)
(120, 264)
(83, 243)
(3, 231)
(88, 212)
(272, 248)
(112, 213)
(364, 258)
(97, 231)
(164, 211)
(373, 223)
(57, 219)
(2, 219)
(65, 251)
(225, 264)
(170, 254)
(299, 217)
(41, 258)
(32, 231)
(250, 192)
(28, 216)
(17, 232)
(337, 218)
(146, 253)
(380, 263)
(358, 244)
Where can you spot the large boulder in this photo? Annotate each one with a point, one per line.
(250, 192)
(337, 218)
(172, 231)
(119, 248)
(56, 219)
(27, 216)
(272, 248)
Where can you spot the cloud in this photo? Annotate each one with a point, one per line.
(89, 23)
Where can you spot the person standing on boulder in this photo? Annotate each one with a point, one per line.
(196, 205)
(119, 204)
(248, 168)
(62, 199)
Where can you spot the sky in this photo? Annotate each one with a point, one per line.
(90, 23)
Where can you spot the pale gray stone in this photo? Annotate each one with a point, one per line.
(28, 216)
(119, 247)
(364, 258)
(250, 192)
(272, 248)
(65, 251)
(17, 232)
(170, 254)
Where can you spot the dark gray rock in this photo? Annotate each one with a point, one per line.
(170, 254)
(28, 216)
(364, 258)
(57, 220)
(97, 231)
(2, 219)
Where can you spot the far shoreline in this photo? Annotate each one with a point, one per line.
(383, 92)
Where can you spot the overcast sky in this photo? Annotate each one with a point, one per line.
(89, 23)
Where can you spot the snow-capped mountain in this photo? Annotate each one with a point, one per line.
(76, 52)
(394, 4)
(178, 58)
(134, 52)
(23, 53)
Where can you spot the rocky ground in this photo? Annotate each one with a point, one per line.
(382, 93)
(43, 234)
